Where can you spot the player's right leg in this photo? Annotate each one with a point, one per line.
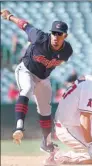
(26, 85)
(43, 94)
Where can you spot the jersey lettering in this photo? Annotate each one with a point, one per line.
(47, 63)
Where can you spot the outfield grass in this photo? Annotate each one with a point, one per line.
(27, 147)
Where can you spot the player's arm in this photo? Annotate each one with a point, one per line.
(85, 120)
(31, 31)
(10, 17)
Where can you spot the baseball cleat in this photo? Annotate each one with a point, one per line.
(17, 136)
(47, 148)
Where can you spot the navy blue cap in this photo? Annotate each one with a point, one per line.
(59, 26)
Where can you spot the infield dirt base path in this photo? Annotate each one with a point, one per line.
(24, 161)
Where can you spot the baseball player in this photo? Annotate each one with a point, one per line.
(46, 51)
(73, 124)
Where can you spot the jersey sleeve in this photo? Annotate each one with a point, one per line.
(32, 32)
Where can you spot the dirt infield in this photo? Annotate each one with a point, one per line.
(24, 161)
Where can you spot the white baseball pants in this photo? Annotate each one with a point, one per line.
(73, 138)
(29, 85)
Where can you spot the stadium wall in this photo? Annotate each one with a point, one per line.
(32, 128)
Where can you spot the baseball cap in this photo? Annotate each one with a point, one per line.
(59, 26)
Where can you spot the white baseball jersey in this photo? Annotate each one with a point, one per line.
(76, 99)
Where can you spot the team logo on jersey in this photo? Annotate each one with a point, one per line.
(46, 62)
(89, 103)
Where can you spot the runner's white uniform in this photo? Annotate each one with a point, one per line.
(69, 108)
(67, 118)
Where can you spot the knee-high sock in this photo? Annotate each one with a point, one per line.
(46, 125)
(21, 109)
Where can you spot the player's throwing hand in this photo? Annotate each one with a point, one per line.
(5, 14)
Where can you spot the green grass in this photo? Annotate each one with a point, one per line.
(27, 147)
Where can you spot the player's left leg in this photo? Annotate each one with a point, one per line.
(43, 94)
(73, 138)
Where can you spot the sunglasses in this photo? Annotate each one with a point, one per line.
(57, 33)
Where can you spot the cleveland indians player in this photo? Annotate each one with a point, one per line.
(46, 51)
(73, 124)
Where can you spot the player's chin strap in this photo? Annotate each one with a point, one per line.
(90, 149)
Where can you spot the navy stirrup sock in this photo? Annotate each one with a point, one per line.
(21, 110)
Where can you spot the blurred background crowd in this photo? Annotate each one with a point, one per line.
(78, 16)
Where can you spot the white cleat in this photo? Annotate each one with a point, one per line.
(17, 136)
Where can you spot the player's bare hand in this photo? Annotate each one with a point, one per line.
(5, 14)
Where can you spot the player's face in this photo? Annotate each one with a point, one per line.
(57, 39)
